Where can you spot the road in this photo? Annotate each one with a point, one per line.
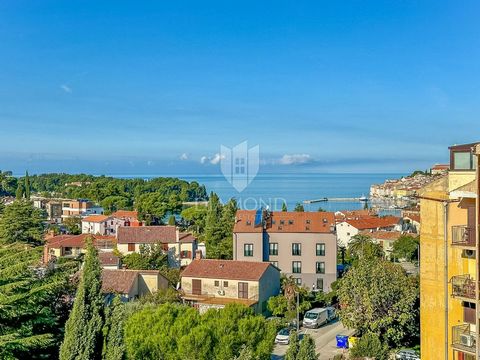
(325, 341)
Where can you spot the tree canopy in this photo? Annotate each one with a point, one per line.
(21, 222)
(406, 247)
(33, 302)
(378, 296)
(172, 331)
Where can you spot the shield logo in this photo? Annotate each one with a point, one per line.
(239, 164)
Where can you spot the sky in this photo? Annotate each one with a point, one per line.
(156, 87)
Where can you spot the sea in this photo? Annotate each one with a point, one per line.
(272, 190)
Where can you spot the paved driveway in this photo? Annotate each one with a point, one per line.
(325, 341)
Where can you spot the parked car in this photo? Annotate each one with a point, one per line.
(283, 337)
(406, 354)
(317, 317)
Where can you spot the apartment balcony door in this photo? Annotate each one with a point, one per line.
(243, 290)
(196, 287)
(471, 224)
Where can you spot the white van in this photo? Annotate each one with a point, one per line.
(317, 317)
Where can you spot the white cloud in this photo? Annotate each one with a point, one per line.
(295, 159)
(184, 156)
(216, 159)
(66, 88)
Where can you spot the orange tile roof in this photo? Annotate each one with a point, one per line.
(107, 258)
(286, 222)
(374, 223)
(186, 238)
(413, 217)
(226, 269)
(122, 214)
(96, 218)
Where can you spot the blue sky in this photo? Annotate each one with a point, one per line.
(154, 87)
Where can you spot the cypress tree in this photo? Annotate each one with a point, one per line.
(292, 351)
(113, 344)
(171, 220)
(306, 351)
(213, 227)
(27, 186)
(284, 206)
(83, 331)
(19, 192)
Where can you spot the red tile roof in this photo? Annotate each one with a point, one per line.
(77, 240)
(186, 238)
(146, 234)
(96, 218)
(226, 269)
(374, 223)
(286, 222)
(121, 281)
(413, 217)
(107, 258)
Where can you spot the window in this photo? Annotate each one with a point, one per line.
(239, 165)
(348, 234)
(296, 267)
(290, 222)
(217, 283)
(320, 267)
(273, 249)
(274, 263)
(131, 247)
(249, 222)
(462, 160)
(225, 284)
(320, 284)
(296, 249)
(298, 281)
(307, 221)
(282, 222)
(320, 250)
(248, 250)
(243, 290)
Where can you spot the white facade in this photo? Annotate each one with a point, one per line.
(345, 231)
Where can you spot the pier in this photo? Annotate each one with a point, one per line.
(325, 199)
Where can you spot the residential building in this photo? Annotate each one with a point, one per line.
(449, 250)
(80, 207)
(179, 246)
(351, 227)
(439, 169)
(215, 283)
(108, 260)
(75, 245)
(98, 224)
(131, 284)
(300, 244)
(126, 218)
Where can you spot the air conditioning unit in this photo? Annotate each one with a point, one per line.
(221, 292)
(467, 340)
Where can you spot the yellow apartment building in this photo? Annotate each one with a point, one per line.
(449, 271)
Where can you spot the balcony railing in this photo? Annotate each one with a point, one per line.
(463, 286)
(463, 235)
(463, 338)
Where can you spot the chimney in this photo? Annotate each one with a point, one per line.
(198, 254)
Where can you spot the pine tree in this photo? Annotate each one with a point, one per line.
(306, 350)
(21, 222)
(83, 331)
(284, 206)
(27, 186)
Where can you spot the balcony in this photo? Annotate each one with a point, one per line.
(463, 236)
(463, 339)
(463, 286)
